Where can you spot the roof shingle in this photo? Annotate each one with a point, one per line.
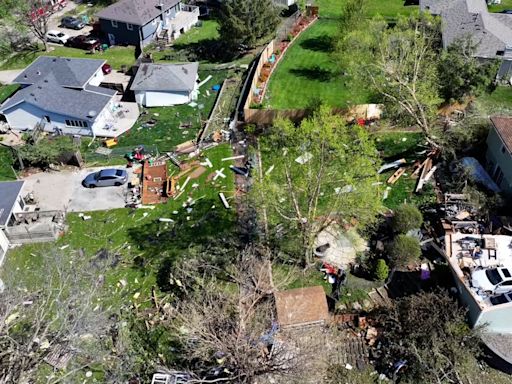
(137, 12)
(503, 126)
(166, 77)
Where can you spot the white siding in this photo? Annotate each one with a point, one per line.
(4, 244)
(25, 116)
(162, 99)
(97, 78)
(496, 318)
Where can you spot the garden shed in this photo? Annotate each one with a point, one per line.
(301, 307)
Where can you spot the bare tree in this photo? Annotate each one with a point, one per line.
(56, 309)
(227, 329)
(34, 15)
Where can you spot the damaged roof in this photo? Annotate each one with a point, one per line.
(503, 127)
(166, 77)
(138, 12)
(301, 306)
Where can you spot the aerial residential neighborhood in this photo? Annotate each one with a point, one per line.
(255, 191)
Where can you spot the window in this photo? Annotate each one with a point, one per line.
(77, 123)
(114, 23)
(502, 149)
(129, 27)
(47, 118)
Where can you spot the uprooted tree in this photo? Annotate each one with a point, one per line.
(435, 345)
(56, 310)
(316, 174)
(226, 328)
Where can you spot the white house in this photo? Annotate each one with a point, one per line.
(61, 94)
(11, 202)
(160, 85)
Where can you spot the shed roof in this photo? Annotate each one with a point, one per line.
(503, 125)
(70, 72)
(138, 12)
(48, 95)
(165, 77)
(9, 192)
(301, 306)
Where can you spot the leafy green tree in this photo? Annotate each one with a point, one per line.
(406, 217)
(245, 22)
(461, 74)
(399, 64)
(381, 270)
(404, 250)
(429, 332)
(323, 172)
(46, 151)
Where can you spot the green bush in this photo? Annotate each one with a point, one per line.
(381, 270)
(406, 217)
(46, 151)
(404, 250)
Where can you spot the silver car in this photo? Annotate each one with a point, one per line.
(106, 178)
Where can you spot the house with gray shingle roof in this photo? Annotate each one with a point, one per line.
(11, 203)
(160, 85)
(491, 32)
(62, 95)
(139, 22)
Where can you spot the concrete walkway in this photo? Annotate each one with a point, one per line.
(6, 77)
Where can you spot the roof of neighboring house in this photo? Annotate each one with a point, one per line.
(138, 12)
(9, 192)
(165, 77)
(69, 72)
(301, 306)
(48, 95)
(492, 32)
(503, 126)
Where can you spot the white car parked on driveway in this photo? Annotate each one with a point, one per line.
(58, 37)
(492, 280)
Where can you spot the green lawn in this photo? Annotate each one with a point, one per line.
(165, 134)
(145, 246)
(6, 91)
(499, 101)
(397, 145)
(307, 73)
(6, 162)
(505, 4)
(115, 56)
(206, 30)
(386, 8)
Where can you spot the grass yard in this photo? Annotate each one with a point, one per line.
(6, 162)
(499, 101)
(145, 246)
(6, 91)
(386, 8)
(394, 146)
(308, 74)
(165, 134)
(505, 4)
(115, 56)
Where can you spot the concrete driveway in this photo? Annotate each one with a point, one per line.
(6, 77)
(64, 191)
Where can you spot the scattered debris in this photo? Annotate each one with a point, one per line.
(269, 170)
(395, 176)
(394, 164)
(233, 158)
(224, 200)
(219, 173)
(303, 159)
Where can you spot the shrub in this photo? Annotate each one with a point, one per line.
(381, 270)
(406, 217)
(404, 250)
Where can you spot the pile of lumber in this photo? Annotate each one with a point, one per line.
(425, 169)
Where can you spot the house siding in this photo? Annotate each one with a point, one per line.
(122, 35)
(97, 78)
(26, 116)
(162, 99)
(4, 245)
(495, 157)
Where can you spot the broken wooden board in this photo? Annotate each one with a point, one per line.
(395, 176)
(394, 164)
(423, 176)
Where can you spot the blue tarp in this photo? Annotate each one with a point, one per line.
(479, 173)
